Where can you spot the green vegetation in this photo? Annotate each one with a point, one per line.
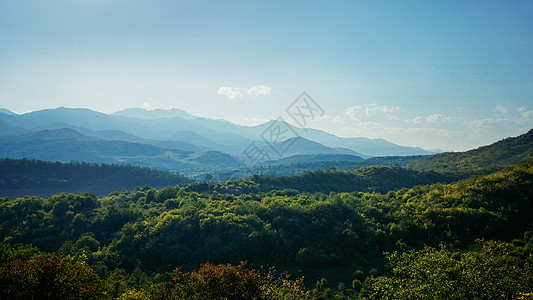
(483, 160)
(58, 276)
(128, 244)
(370, 179)
(493, 270)
(67, 145)
(292, 166)
(19, 177)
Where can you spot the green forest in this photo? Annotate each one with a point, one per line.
(378, 232)
(20, 177)
(175, 242)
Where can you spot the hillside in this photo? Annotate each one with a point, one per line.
(40, 178)
(312, 158)
(67, 145)
(336, 240)
(487, 159)
(379, 179)
(297, 164)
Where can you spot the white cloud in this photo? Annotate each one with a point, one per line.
(487, 122)
(352, 111)
(521, 109)
(501, 108)
(433, 118)
(358, 111)
(416, 120)
(229, 92)
(259, 90)
(526, 117)
(437, 118)
(372, 108)
(253, 92)
(147, 105)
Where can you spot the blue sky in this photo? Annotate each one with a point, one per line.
(437, 74)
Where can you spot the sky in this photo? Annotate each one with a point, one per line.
(451, 75)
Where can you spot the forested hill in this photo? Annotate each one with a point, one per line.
(370, 179)
(132, 239)
(19, 177)
(483, 160)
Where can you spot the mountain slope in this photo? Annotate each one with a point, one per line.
(41, 178)
(369, 179)
(300, 146)
(7, 129)
(311, 158)
(6, 111)
(364, 146)
(217, 135)
(69, 145)
(504, 153)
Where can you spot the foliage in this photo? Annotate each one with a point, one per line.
(370, 179)
(19, 176)
(234, 282)
(483, 160)
(494, 271)
(49, 277)
(293, 166)
(133, 239)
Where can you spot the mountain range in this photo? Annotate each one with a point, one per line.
(169, 139)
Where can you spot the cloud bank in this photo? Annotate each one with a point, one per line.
(253, 92)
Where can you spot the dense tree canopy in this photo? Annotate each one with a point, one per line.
(133, 240)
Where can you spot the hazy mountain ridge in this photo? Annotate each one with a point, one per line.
(218, 135)
(141, 113)
(6, 111)
(69, 145)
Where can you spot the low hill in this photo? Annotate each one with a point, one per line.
(483, 160)
(20, 177)
(292, 165)
(66, 144)
(370, 179)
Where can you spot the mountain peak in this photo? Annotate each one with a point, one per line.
(6, 111)
(141, 113)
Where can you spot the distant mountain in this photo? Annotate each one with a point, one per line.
(56, 134)
(69, 145)
(7, 129)
(364, 146)
(370, 179)
(141, 113)
(6, 111)
(299, 146)
(311, 158)
(309, 162)
(486, 159)
(197, 135)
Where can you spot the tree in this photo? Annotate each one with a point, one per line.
(49, 277)
(495, 271)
